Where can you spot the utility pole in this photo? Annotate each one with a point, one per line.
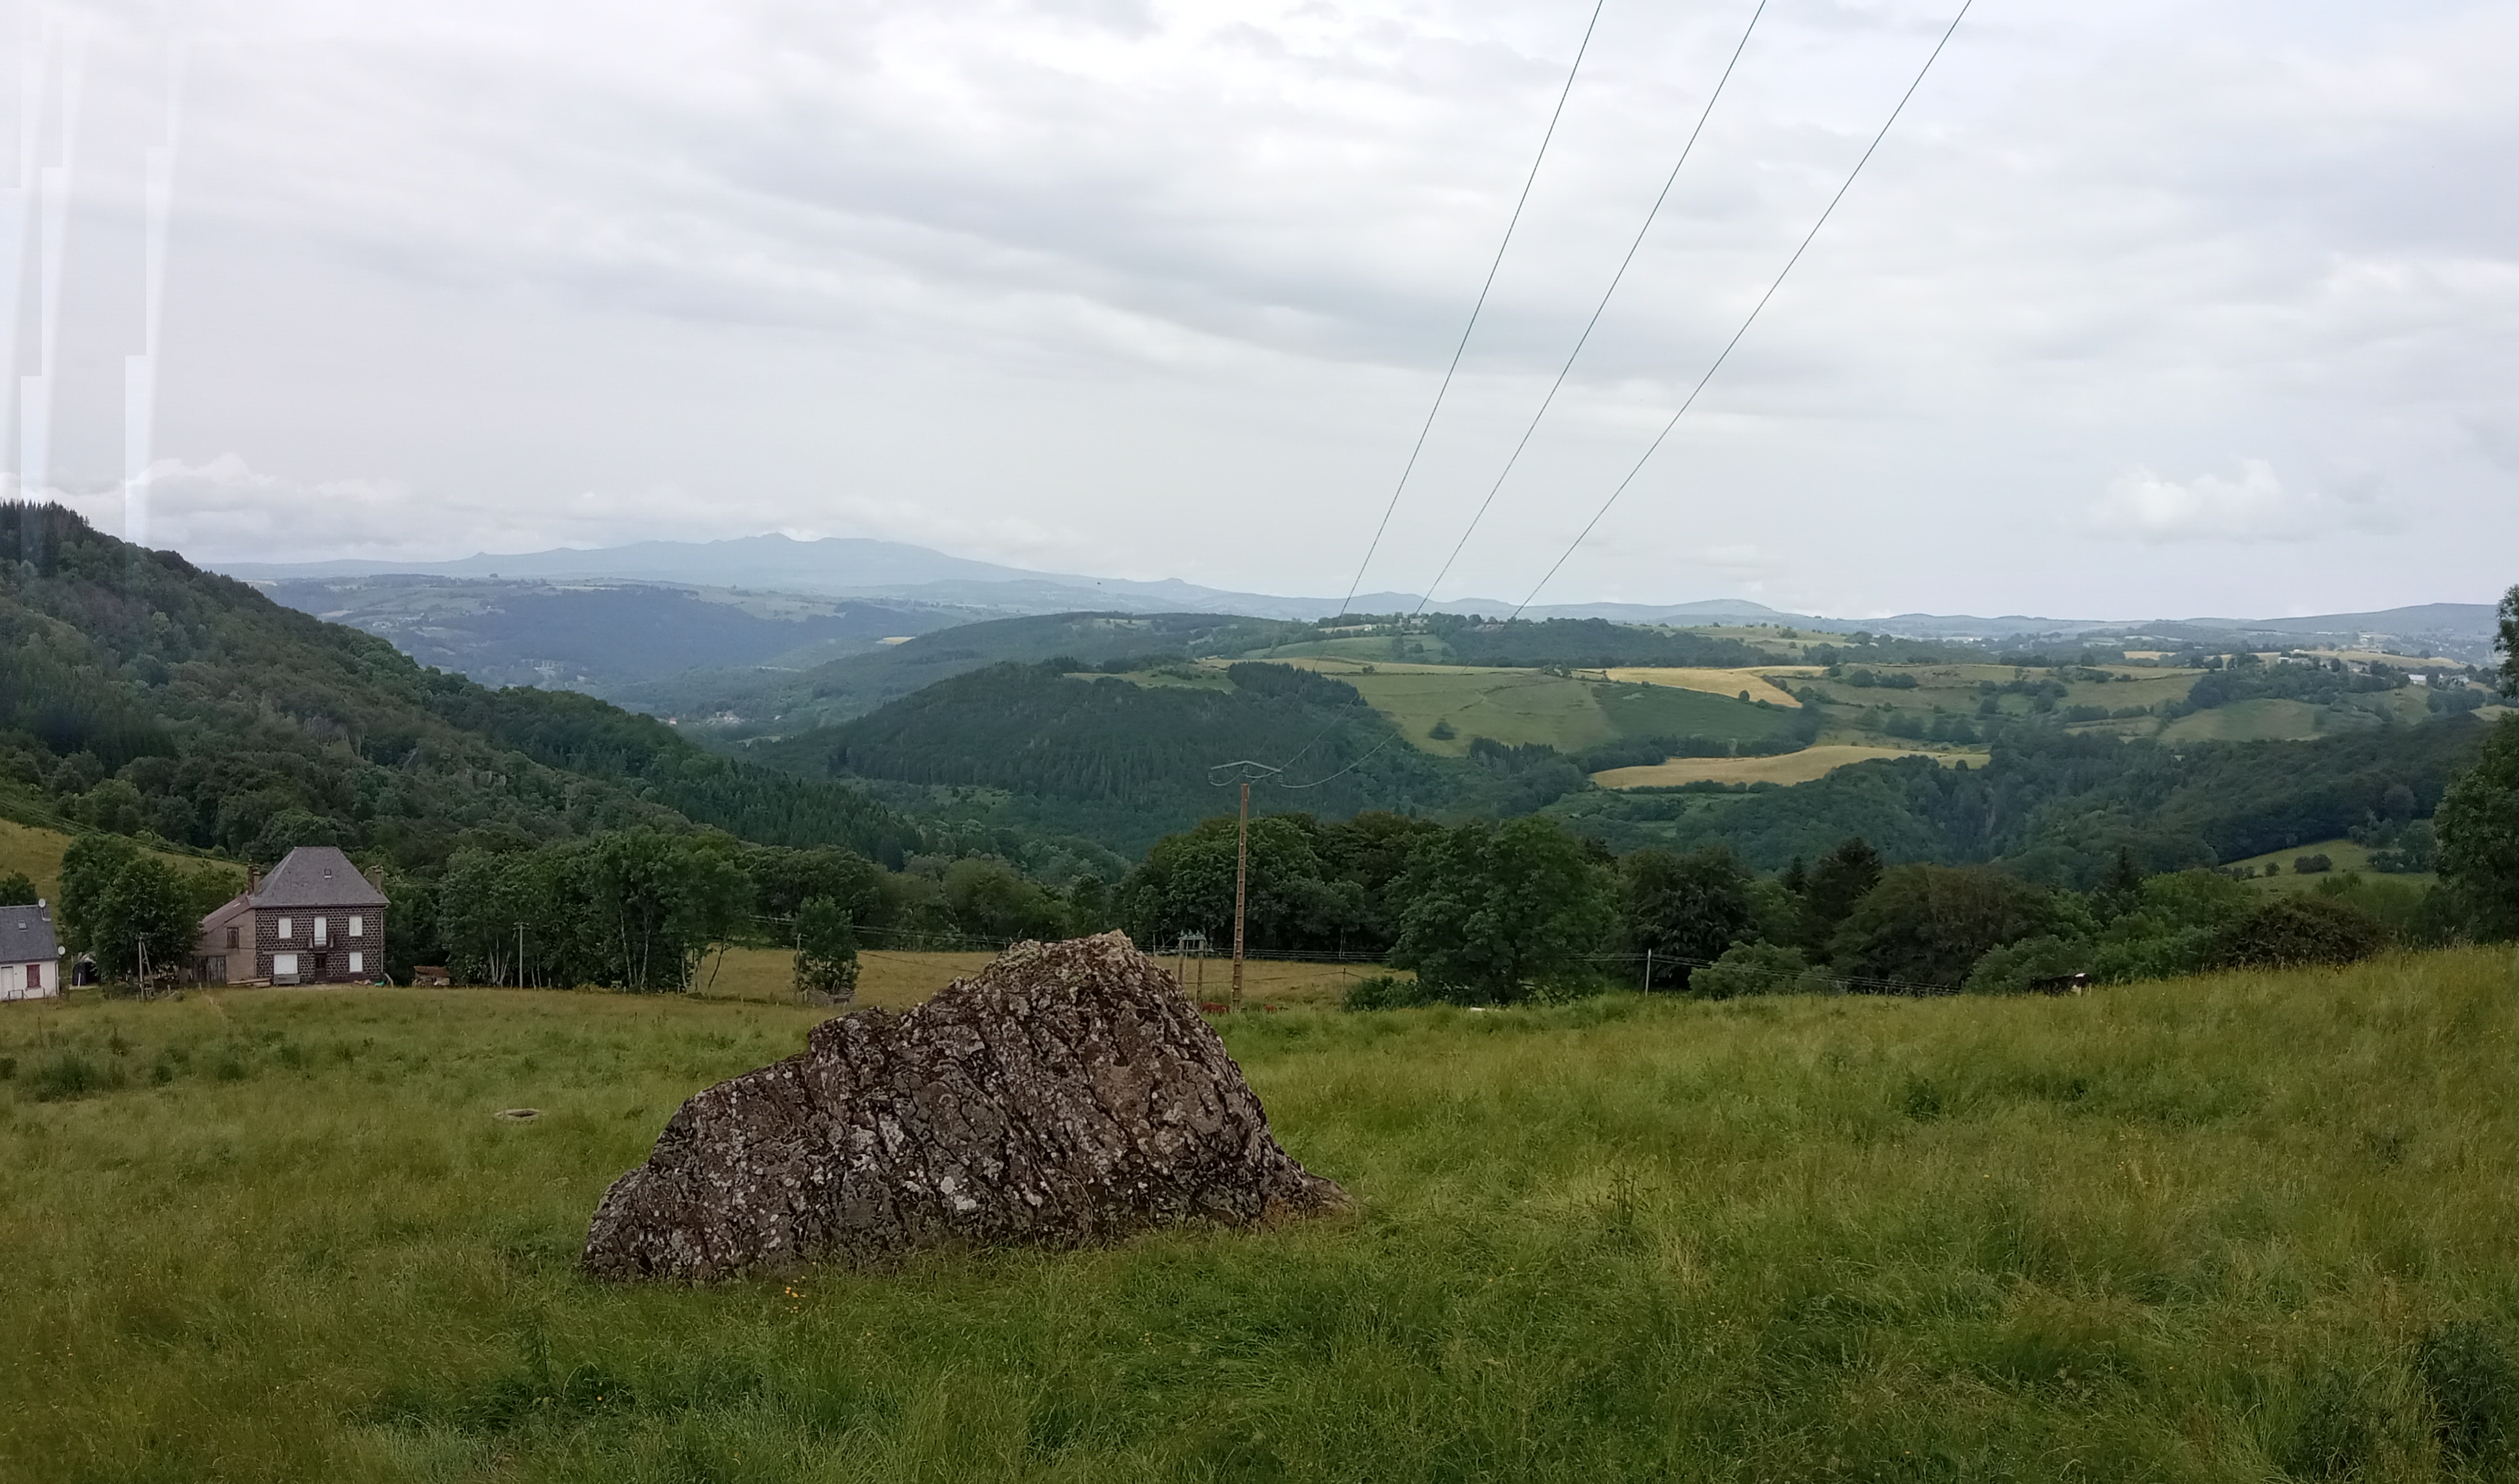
(1249, 771)
(1241, 880)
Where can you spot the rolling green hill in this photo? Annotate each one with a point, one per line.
(1125, 762)
(1567, 711)
(598, 637)
(736, 705)
(2055, 807)
(143, 696)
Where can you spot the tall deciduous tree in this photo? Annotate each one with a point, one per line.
(1928, 925)
(1684, 910)
(2509, 642)
(826, 949)
(144, 922)
(1837, 883)
(2478, 827)
(1495, 910)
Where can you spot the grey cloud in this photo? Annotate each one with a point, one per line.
(1086, 275)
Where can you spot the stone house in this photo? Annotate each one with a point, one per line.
(315, 920)
(31, 954)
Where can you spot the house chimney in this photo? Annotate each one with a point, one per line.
(252, 880)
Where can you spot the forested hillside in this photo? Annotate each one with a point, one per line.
(1127, 762)
(141, 695)
(2055, 807)
(735, 705)
(599, 637)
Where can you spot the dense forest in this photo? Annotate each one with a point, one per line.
(759, 703)
(1127, 762)
(2053, 805)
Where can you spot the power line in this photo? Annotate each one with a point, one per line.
(1592, 324)
(1475, 310)
(1752, 319)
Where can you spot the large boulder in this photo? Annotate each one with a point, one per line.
(1065, 1095)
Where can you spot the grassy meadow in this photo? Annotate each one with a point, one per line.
(890, 979)
(38, 852)
(1567, 711)
(2230, 1228)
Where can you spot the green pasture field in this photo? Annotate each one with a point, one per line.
(38, 853)
(1953, 687)
(2343, 854)
(1566, 712)
(1364, 649)
(2259, 721)
(2232, 1228)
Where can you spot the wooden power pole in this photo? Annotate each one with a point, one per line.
(1241, 881)
(1249, 771)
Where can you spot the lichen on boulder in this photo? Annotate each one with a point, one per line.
(1067, 1095)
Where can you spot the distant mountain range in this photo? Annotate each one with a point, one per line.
(860, 568)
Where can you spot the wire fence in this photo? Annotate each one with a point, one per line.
(1644, 967)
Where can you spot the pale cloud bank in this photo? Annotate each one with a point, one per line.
(1163, 288)
(2254, 507)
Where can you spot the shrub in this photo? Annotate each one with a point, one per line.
(71, 1074)
(2298, 930)
(2311, 865)
(2017, 968)
(826, 951)
(1384, 992)
(1758, 969)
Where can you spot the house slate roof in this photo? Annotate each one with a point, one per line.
(220, 916)
(317, 876)
(27, 935)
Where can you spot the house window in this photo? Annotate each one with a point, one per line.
(286, 928)
(232, 938)
(358, 962)
(320, 938)
(358, 926)
(283, 966)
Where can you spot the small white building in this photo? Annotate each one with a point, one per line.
(30, 955)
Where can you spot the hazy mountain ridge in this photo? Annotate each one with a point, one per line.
(899, 572)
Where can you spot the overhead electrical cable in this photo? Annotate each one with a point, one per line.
(1475, 310)
(1752, 317)
(1593, 324)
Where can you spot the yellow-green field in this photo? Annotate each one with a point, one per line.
(38, 854)
(1720, 683)
(1568, 712)
(1789, 767)
(2343, 854)
(2238, 1228)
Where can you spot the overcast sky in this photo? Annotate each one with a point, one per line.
(2144, 308)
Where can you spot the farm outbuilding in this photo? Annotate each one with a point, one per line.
(31, 953)
(314, 921)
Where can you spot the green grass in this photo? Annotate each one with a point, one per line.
(38, 852)
(2203, 1230)
(2342, 854)
(1566, 712)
